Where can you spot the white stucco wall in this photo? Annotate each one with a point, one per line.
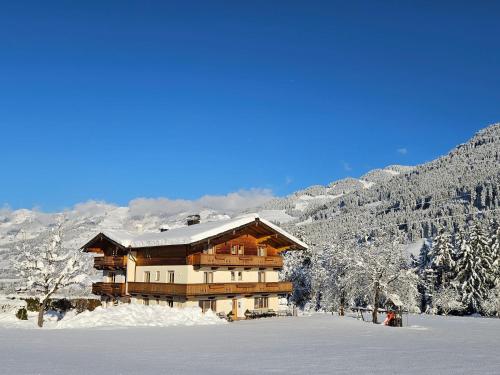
(188, 275)
(223, 304)
(181, 273)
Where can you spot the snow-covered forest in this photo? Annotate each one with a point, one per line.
(457, 273)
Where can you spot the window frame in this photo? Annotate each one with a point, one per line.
(207, 304)
(208, 277)
(261, 303)
(170, 277)
(261, 276)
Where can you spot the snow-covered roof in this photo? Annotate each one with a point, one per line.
(192, 233)
(395, 299)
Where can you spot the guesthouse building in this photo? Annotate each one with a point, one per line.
(228, 266)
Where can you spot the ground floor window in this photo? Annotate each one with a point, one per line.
(171, 277)
(207, 305)
(208, 277)
(261, 303)
(145, 301)
(170, 303)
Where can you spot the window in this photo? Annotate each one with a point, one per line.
(261, 303)
(207, 305)
(208, 249)
(147, 276)
(261, 251)
(171, 277)
(157, 276)
(262, 277)
(241, 250)
(111, 277)
(232, 276)
(234, 249)
(145, 301)
(170, 303)
(240, 276)
(208, 277)
(157, 301)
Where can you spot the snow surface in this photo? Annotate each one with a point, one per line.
(304, 200)
(367, 184)
(276, 216)
(316, 344)
(190, 234)
(131, 315)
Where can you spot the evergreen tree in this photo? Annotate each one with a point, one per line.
(426, 275)
(474, 267)
(495, 253)
(442, 259)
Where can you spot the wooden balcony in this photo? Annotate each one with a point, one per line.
(109, 289)
(195, 290)
(224, 260)
(110, 262)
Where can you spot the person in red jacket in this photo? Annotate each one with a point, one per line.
(390, 318)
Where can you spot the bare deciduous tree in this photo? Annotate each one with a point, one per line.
(46, 267)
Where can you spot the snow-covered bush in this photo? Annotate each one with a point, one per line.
(491, 305)
(22, 314)
(447, 299)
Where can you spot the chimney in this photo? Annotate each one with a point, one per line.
(193, 219)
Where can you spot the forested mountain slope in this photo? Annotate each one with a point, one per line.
(411, 202)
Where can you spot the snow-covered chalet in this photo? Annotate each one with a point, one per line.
(228, 266)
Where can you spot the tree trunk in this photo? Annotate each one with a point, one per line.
(341, 308)
(40, 313)
(375, 303)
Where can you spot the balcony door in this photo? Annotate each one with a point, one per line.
(262, 277)
(111, 277)
(147, 277)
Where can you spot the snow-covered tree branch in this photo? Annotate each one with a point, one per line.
(47, 266)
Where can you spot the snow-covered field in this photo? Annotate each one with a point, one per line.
(120, 316)
(317, 344)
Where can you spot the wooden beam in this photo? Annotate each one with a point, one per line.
(283, 248)
(265, 238)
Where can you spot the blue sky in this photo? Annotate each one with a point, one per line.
(118, 100)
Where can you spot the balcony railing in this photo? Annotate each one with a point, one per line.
(110, 262)
(109, 289)
(224, 260)
(208, 289)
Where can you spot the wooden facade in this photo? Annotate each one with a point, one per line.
(254, 247)
(196, 290)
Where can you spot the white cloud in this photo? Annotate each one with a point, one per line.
(402, 150)
(229, 203)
